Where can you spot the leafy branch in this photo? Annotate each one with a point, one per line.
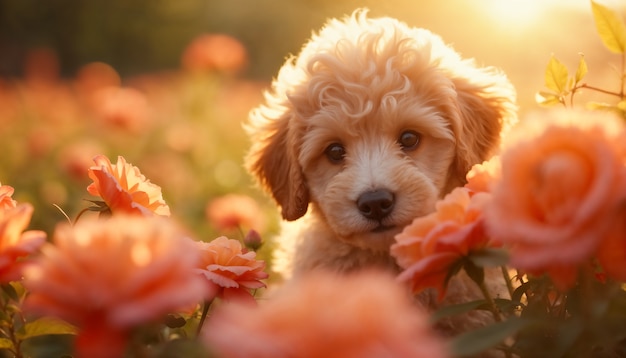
(562, 87)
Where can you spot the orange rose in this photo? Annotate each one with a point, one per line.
(561, 187)
(6, 200)
(612, 251)
(15, 243)
(124, 189)
(229, 270)
(108, 276)
(481, 177)
(364, 315)
(428, 248)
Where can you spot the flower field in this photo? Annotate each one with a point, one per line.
(128, 227)
(53, 127)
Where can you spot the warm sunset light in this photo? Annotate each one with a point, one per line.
(258, 178)
(530, 13)
(516, 12)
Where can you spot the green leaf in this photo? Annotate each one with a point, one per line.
(457, 309)
(582, 69)
(547, 98)
(599, 106)
(610, 27)
(505, 305)
(454, 269)
(489, 257)
(556, 76)
(46, 325)
(6, 344)
(477, 274)
(481, 339)
(619, 109)
(10, 291)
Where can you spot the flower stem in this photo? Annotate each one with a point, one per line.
(494, 309)
(80, 214)
(507, 280)
(205, 312)
(490, 301)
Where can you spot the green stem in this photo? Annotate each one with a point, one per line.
(80, 214)
(9, 324)
(494, 309)
(507, 280)
(584, 85)
(205, 312)
(490, 301)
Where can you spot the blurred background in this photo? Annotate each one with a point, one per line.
(168, 83)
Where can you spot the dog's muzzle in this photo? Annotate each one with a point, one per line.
(376, 205)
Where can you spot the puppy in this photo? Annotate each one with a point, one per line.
(363, 131)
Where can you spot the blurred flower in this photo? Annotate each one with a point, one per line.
(215, 52)
(77, 157)
(233, 211)
(125, 108)
(41, 67)
(124, 189)
(95, 76)
(40, 141)
(612, 251)
(480, 178)
(363, 315)
(561, 188)
(428, 248)
(15, 243)
(6, 200)
(180, 176)
(229, 270)
(109, 276)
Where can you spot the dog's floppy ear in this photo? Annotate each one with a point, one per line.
(273, 156)
(486, 109)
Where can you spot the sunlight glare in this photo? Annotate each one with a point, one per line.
(516, 12)
(527, 13)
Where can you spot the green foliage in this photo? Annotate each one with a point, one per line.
(561, 86)
(16, 330)
(610, 28)
(45, 326)
(476, 341)
(559, 83)
(490, 257)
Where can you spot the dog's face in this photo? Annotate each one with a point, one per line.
(370, 175)
(371, 124)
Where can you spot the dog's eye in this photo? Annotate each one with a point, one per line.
(409, 140)
(335, 152)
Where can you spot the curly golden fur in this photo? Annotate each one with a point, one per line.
(374, 109)
(359, 86)
(365, 130)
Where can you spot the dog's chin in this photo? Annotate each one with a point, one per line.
(376, 238)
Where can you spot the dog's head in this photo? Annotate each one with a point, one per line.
(373, 122)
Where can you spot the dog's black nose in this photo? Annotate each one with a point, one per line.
(376, 204)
